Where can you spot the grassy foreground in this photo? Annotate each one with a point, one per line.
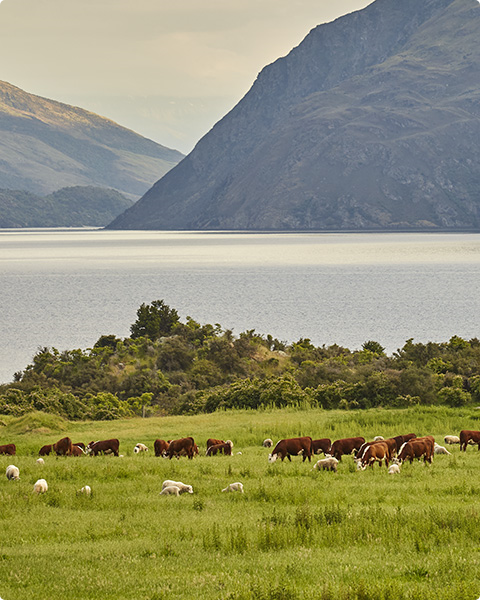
(295, 533)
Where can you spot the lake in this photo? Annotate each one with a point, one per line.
(66, 288)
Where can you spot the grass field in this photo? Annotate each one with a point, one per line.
(295, 533)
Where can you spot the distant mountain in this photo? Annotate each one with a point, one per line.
(46, 145)
(68, 207)
(372, 122)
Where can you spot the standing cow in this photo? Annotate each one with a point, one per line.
(469, 437)
(292, 447)
(182, 447)
(63, 447)
(160, 447)
(103, 447)
(8, 449)
(346, 446)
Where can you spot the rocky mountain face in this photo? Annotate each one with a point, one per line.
(46, 145)
(372, 122)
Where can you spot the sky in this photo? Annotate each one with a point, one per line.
(166, 69)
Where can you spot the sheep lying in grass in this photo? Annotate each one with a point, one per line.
(12, 473)
(40, 461)
(140, 448)
(234, 487)
(86, 489)
(40, 487)
(451, 439)
(268, 443)
(170, 490)
(183, 488)
(326, 464)
(394, 469)
(440, 449)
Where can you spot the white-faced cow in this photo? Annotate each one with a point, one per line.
(301, 446)
(103, 447)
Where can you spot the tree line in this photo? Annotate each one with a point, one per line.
(167, 367)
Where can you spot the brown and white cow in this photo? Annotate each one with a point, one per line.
(322, 445)
(292, 447)
(160, 447)
(375, 452)
(401, 439)
(220, 449)
(469, 437)
(346, 446)
(63, 447)
(77, 451)
(8, 449)
(214, 442)
(183, 446)
(392, 448)
(417, 448)
(46, 450)
(104, 447)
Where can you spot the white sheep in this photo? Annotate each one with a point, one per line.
(140, 448)
(181, 486)
(12, 473)
(326, 464)
(268, 443)
(393, 469)
(40, 487)
(440, 449)
(170, 490)
(234, 487)
(451, 439)
(40, 461)
(86, 489)
(378, 438)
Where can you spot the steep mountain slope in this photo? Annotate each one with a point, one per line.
(372, 122)
(46, 145)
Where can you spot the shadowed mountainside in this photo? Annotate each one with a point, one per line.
(372, 122)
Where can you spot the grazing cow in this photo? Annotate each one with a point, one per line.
(103, 447)
(160, 447)
(220, 449)
(401, 439)
(392, 448)
(268, 443)
(214, 442)
(80, 445)
(440, 449)
(183, 487)
(77, 451)
(171, 490)
(469, 437)
(46, 450)
(63, 447)
(451, 439)
(292, 447)
(12, 473)
(181, 447)
(417, 448)
(326, 464)
(40, 486)
(322, 445)
(234, 487)
(9, 449)
(377, 451)
(140, 448)
(393, 469)
(346, 446)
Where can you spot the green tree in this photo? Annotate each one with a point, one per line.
(154, 320)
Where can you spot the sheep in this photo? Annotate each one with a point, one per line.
(181, 486)
(440, 449)
(234, 487)
(393, 469)
(12, 473)
(40, 461)
(378, 438)
(326, 464)
(140, 448)
(451, 439)
(86, 489)
(40, 486)
(170, 490)
(268, 443)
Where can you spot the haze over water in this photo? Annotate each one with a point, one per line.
(66, 288)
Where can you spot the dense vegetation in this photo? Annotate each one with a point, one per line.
(170, 367)
(78, 206)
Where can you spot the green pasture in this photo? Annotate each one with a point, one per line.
(294, 534)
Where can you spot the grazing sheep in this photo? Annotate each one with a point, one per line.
(393, 469)
(378, 438)
(140, 448)
(181, 486)
(268, 443)
(234, 487)
(451, 439)
(170, 490)
(440, 449)
(326, 464)
(12, 473)
(86, 489)
(40, 461)
(40, 486)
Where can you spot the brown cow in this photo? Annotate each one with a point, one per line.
(466, 437)
(376, 451)
(214, 442)
(401, 439)
(322, 445)
(392, 448)
(9, 449)
(220, 449)
(80, 445)
(182, 446)
(104, 447)
(160, 447)
(346, 446)
(417, 448)
(63, 447)
(77, 450)
(46, 450)
(292, 447)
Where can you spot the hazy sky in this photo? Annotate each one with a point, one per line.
(167, 69)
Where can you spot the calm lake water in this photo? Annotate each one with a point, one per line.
(66, 288)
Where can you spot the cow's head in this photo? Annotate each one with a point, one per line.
(272, 458)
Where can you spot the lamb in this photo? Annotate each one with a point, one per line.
(170, 490)
(183, 488)
(326, 464)
(86, 489)
(378, 438)
(40, 486)
(393, 469)
(440, 449)
(12, 473)
(40, 461)
(234, 487)
(451, 439)
(268, 443)
(140, 448)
